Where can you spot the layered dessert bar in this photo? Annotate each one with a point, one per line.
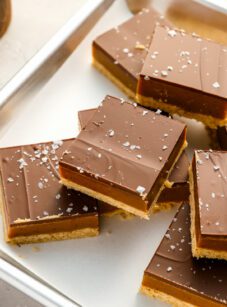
(177, 278)
(186, 75)
(208, 177)
(124, 156)
(35, 206)
(119, 53)
(174, 193)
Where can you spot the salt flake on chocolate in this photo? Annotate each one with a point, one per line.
(172, 33)
(140, 189)
(216, 85)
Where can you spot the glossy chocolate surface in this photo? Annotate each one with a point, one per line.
(31, 189)
(192, 74)
(210, 192)
(174, 271)
(179, 173)
(126, 146)
(179, 176)
(122, 50)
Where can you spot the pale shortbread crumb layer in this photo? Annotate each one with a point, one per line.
(158, 207)
(164, 206)
(200, 252)
(164, 297)
(75, 234)
(208, 120)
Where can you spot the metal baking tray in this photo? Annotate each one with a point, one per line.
(95, 272)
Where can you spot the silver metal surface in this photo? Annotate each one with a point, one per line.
(218, 5)
(53, 54)
(50, 294)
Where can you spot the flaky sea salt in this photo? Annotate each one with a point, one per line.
(140, 189)
(216, 85)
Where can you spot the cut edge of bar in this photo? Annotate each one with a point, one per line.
(117, 203)
(113, 79)
(208, 120)
(164, 297)
(56, 236)
(200, 252)
(44, 237)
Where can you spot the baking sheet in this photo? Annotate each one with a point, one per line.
(32, 25)
(102, 271)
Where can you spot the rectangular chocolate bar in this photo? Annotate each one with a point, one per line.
(186, 75)
(174, 276)
(208, 185)
(175, 193)
(124, 155)
(35, 206)
(119, 53)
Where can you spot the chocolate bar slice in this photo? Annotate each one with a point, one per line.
(35, 206)
(119, 53)
(124, 155)
(208, 177)
(186, 75)
(175, 193)
(174, 276)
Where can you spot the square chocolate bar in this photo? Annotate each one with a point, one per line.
(208, 185)
(35, 206)
(175, 193)
(186, 75)
(177, 278)
(124, 156)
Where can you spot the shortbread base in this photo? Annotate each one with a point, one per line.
(208, 120)
(58, 236)
(164, 297)
(165, 206)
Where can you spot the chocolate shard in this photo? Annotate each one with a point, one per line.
(124, 155)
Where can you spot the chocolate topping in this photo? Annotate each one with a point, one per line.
(192, 74)
(179, 176)
(191, 61)
(126, 46)
(126, 146)
(210, 190)
(31, 188)
(173, 263)
(179, 173)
